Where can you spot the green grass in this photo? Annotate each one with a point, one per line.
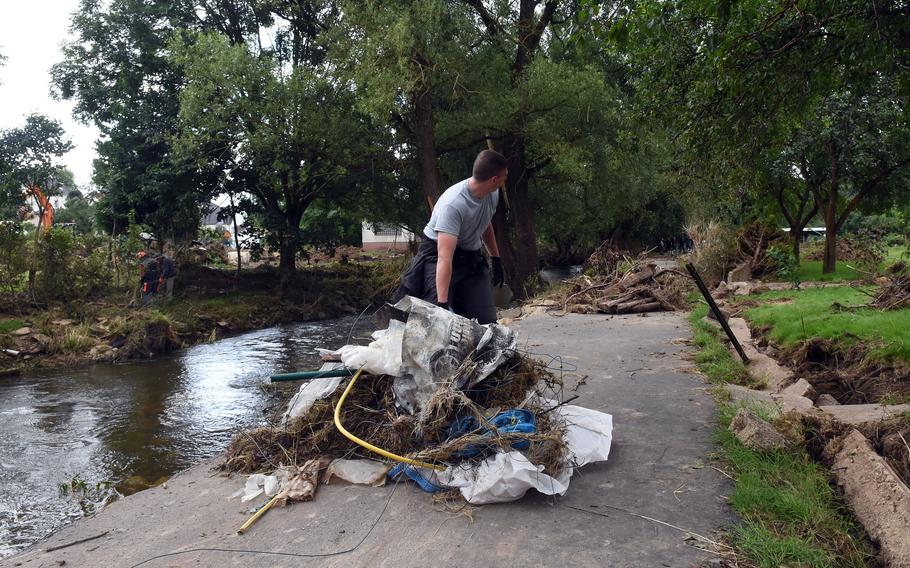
(7, 326)
(893, 254)
(809, 314)
(790, 513)
(811, 271)
(713, 358)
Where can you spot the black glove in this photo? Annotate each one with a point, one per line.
(444, 305)
(499, 277)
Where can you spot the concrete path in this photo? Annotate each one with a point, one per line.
(663, 418)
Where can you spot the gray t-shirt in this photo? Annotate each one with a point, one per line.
(461, 214)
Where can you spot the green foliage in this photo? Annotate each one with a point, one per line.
(79, 211)
(290, 137)
(788, 268)
(7, 326)
(14, 256)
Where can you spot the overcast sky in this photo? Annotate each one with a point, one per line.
(31, 33)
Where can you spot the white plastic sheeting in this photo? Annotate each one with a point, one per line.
(507, 476)
(310, 392)
(358, 472)
(424, 353)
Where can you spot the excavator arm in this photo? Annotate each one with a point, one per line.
(47, 210)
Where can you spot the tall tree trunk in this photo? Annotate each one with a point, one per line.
(515, 232)
(236, 234)
(797, 235)
(287, 261)
(829, 264)
(426, 144)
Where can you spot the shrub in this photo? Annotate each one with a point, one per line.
(713, 245)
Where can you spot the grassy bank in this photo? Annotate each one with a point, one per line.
(835, 314)
(209, 304)
(790, 514)
(811, 271)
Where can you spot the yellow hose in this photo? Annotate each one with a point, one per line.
(368, 445)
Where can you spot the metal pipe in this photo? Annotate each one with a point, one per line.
(717, 313)
(310, 375)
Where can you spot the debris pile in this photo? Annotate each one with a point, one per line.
(893, 295)
(605, 260)
(754, 241)
(447, 401)
(866, 250)
(643, 288)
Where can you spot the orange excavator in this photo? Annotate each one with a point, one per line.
(47, 210)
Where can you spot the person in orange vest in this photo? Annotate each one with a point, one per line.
(148, 277)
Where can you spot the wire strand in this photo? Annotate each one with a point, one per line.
(275, 553)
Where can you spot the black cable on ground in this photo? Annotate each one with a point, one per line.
(274, 553)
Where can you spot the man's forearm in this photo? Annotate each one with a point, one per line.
(489, 239)
(443, 278)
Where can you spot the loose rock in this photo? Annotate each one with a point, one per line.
(755, 433)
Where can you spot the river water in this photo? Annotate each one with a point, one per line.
(135, 424)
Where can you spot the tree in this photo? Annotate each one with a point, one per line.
(117, 71)
(736, 81)
(78, 210)
(857, 152)
(30, 161)
(285, 133)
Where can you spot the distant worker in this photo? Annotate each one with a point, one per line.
(148, 277)
(168, 270)
(449, 268)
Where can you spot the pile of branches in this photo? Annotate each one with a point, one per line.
(864, 250)
(370, 413)
(894, 295)
(605, 260)
(642, 288)
(753, 242)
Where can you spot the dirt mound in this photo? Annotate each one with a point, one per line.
(847, 372)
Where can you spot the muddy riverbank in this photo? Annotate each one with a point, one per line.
(209, 305)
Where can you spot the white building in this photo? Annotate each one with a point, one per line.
(377, 236)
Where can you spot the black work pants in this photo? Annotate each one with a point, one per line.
(470, 290)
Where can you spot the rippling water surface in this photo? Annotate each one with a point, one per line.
(135, 424)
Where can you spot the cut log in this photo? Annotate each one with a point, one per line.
(642, 308)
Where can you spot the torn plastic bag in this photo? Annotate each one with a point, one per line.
(358, 472)
(436, 342)
(310, 392)
(262, 484)
(422, 476)
(507, 476)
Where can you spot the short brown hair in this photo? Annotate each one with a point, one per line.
(488, 164)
